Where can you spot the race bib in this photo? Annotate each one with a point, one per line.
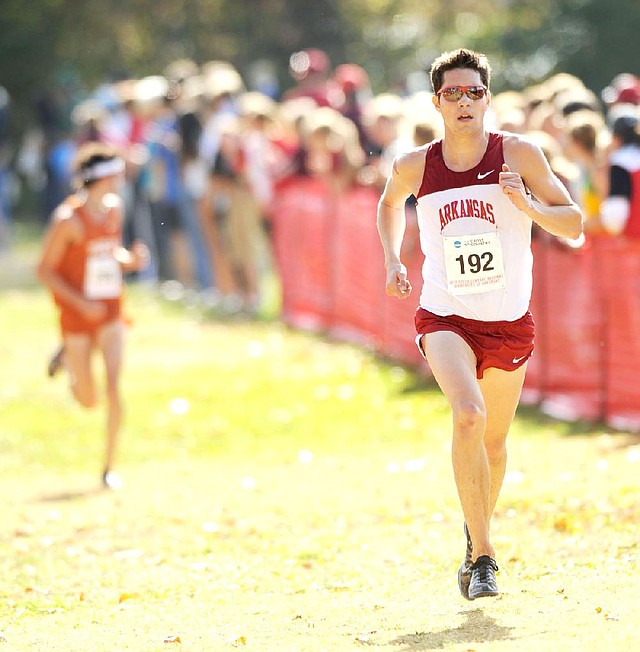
(103, 277)
(473, 263)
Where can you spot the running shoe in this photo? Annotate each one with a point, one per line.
(483, 578)
(56, 362)
(464, 572)
(111, 480)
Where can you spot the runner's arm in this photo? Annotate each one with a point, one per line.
(532, 187)
(391, 220)
(61, 233)
(136, 258)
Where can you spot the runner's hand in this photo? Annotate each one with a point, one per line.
(513, 187)
(141, 255)
(398, 284)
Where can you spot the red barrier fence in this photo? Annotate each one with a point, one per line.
(586, 302)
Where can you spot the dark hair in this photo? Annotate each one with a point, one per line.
(627, 129)
(460, 58)
(584, 133)
(90, 154)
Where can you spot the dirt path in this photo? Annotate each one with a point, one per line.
(299, 552)
(351, 546)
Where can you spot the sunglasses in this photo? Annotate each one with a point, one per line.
(454, 93)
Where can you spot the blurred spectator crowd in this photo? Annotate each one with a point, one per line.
(205, 156)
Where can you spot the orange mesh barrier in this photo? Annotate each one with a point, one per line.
(586, 302)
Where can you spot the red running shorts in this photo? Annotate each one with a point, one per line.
(503, 344)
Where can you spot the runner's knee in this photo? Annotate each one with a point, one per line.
(113, 394)
(496, 450)
(86, 396)
(469, 419)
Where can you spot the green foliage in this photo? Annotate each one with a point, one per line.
(287, 493)
(44, 42)
(203, 396)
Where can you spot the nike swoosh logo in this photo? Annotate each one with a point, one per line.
(486, 174)
(516, 360)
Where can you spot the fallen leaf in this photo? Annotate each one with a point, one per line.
(172, 639)
(127, 596)
(564, 524)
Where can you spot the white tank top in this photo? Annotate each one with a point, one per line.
(477, 246)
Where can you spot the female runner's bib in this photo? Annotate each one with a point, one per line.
(90, 267)
(103, 274)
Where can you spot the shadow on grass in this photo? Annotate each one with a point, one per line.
(535, 418)
(68, 496)
(477, 628)
(533, 415)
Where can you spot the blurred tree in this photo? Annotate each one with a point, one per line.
(527, 40)
(531, 39)
(607, 39)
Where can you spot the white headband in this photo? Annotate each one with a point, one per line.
(102, 169)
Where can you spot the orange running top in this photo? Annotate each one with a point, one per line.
(90, 267)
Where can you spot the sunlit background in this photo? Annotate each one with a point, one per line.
(48, 41)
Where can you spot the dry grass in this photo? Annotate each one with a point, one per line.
(288, 494)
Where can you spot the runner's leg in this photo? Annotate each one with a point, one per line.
(501, 391)
(111, 345)
(453, 364)
(77, 352)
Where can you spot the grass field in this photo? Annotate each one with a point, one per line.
(286, 493)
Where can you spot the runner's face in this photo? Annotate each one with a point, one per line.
(112, 183)
(464, 114)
